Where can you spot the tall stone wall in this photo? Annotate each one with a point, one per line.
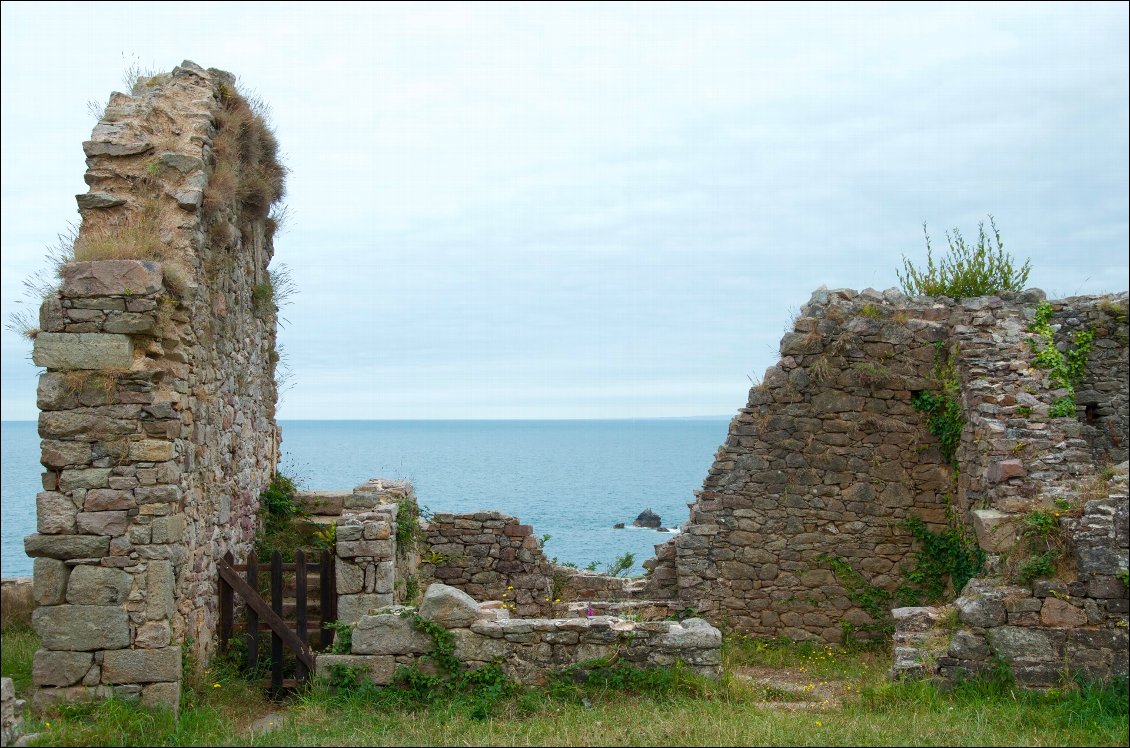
(829, 456)
(157, 404)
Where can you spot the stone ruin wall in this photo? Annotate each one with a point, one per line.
(829, 455)
(157, 405)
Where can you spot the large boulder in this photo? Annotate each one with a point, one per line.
(647, 518)
(450, 607)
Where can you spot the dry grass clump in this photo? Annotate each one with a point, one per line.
(248, 174)
(135, 235)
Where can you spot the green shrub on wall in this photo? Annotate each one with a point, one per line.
(981, 270)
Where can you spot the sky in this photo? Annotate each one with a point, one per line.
(596, 210)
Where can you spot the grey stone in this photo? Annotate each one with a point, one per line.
(183, 163)
(161, 695)
(105, 148)
(966, 645)
(159, 581)
(369, 548)
(350, 578)
(108, 499)
(692, 632)
(151, 450)
(102, 523)
(59, 454)
(91, 200)
(1015, 643)
(86, 350)
(59, 669)
(350, 608)
(379, 668)
(88, 478)
(153, 635)
(450, 607)
(98, 585)
(996, 531)
(81, 627)
(111, 278)
(66, 546)
(142, 665)
(130, 323)
(389, 634)
(55, 513)
(981, 606)
(49, 581)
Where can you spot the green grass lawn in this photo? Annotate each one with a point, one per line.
(771, 695)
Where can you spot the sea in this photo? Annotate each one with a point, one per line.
(571, 479)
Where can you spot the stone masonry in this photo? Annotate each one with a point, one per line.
(829, 455)
(526, 648)
(157, 404)
(1045, 632)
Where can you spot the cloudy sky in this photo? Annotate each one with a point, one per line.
(597, 211)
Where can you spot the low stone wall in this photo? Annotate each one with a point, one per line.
(491, 555)
(527, 649)
(11, 713)
(1043, 631)
(366, 562)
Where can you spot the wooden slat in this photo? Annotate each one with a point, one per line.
(328, 589)
(227, 607)
(252, 615)
(310, 568)
(276, 634)
(258, 608)
(300, 595)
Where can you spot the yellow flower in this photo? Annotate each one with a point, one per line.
(557, 600)
(47, 725)
(216, 685)
(509, 586)
(819, 723)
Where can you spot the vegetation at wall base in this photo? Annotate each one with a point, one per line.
(967, 271)
(221, 708)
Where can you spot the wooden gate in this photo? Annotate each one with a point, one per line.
(287, 618)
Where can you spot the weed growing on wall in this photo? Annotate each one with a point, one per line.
(944, 560)
(981, 270)
(872, 600)
(944, 417)
(1066, 369)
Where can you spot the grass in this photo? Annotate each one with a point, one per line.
(691, 713)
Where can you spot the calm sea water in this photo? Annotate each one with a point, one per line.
(571, 480)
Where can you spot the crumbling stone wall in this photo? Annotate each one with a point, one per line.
(491, 555)
(157, 404)
(1044, 632)
(829, 455)
(526, 648)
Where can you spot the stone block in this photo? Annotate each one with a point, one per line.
(88, 478)
(168, 529)
(81, 628)
(102, 523)
(111, 278)
(350, 578)
(83, 350)
(159, 582)
(996, 531)
(1061, 614)
(65, 547)
(54, 513)
(323, 502)
(379, 668)
(151, 450)
(448, 606)
(368, 548)
(384, 576)
(141, 665)
(98, 585)
(389, 634)
(59, 669)
(153, 635)
(161, 695)
(1002, 470)
(1015, 643)
(61, 454)
(49, 581)
(350, 608)
(108, 499)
